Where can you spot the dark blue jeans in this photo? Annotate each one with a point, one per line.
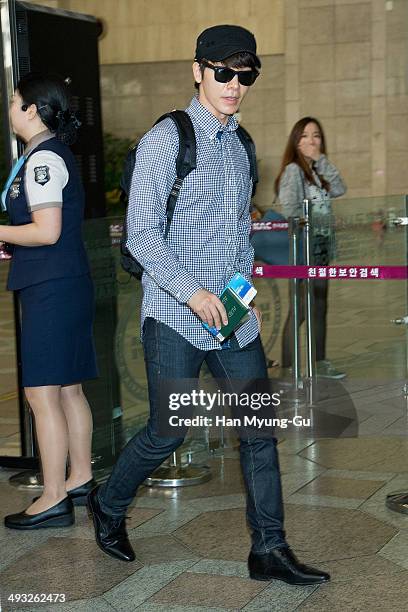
(169, 355)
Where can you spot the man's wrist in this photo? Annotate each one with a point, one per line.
(183, 286)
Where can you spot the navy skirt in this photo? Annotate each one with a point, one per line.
(57, 346)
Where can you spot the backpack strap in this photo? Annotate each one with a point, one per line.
(128, 167)
(249, 147)
(186, 160)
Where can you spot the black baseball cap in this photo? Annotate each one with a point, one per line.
(221, 41)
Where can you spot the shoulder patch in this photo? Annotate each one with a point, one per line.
(42, 174)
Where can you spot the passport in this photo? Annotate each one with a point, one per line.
(237, 313)
(242, 288)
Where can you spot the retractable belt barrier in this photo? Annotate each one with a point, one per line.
(298, 226)
(358, 272)
(300, 231)
(332, 272)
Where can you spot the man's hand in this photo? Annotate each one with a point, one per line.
(209, 308)
(258, 315)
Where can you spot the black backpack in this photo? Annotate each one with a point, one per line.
(185, 163)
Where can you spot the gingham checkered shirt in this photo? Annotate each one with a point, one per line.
(208, 239)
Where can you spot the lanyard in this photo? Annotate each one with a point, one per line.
(14, 171)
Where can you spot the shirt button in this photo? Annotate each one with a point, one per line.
(178, 294)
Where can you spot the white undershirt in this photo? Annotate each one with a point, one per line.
(45, 177)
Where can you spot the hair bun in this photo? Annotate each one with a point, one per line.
(68, 124)
(68, 116)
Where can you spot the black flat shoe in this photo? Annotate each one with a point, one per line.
(60, 515)
(110, 531)
(282, 564)
(79, 494)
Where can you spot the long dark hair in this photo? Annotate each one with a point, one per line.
(293, 155)
(51, 96)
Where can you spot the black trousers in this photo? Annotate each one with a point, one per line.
(320, 293)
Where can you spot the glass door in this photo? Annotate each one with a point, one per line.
(366, 332)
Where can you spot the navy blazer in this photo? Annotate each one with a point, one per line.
(66, 258)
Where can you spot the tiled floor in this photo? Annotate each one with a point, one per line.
(192, 543)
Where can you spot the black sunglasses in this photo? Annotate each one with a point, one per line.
(225, 75)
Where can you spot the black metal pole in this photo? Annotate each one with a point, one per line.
(9, 78)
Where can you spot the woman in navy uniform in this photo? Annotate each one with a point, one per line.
(50, 273)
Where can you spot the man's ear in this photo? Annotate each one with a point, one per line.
(198, 77)
(31, 111)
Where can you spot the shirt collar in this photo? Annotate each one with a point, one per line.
(37, 140)
(210, 124)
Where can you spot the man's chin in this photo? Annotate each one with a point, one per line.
(231, 110)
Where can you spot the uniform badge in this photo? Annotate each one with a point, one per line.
(15, 189)
(42, 174)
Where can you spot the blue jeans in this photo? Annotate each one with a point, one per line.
(169, 355)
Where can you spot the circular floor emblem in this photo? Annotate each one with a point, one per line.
(268, 301)
(129, 349)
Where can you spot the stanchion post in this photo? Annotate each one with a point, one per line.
(175, 474)
(294, 298)
(310, 380)
(309, 306)
(28, 448)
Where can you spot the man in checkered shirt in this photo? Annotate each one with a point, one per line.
(207, 243)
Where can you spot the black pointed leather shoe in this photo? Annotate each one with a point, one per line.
(110, 531)
(282, 564)
(60, 515)
(398, 501)
(79, 494)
